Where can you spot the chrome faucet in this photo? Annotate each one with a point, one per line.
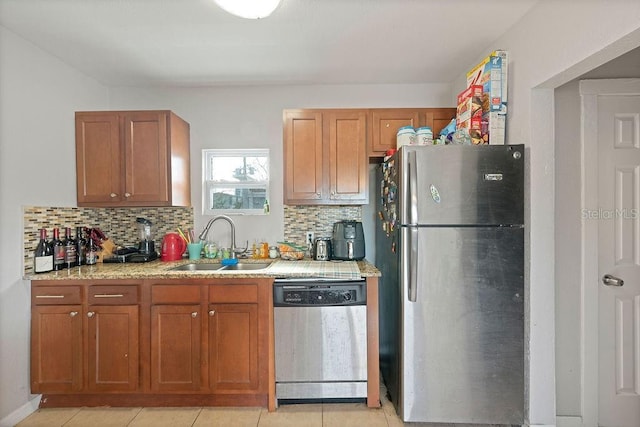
(233, 250)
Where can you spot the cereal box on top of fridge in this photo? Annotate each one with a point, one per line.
(492, 74)
(469, 113)
(469, 105)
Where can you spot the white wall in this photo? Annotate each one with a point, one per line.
(554, 43)
(39, 95)
(251, 117)
(567, 247)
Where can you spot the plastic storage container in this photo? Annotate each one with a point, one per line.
(406, 136)
(424, 136)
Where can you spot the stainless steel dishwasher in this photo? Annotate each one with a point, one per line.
(320, 339)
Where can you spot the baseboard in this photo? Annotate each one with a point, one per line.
(21, 413)
(567, 421)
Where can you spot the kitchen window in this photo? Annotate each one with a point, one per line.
(235, 181)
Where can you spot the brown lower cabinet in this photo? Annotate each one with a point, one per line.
(152, 342)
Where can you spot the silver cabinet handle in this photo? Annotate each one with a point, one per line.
(73, 314)
(108, 296)
(112, 195)
(91, 314)
(212, 312)
(50, 296)
(610, 280)
(194, 314)
(127, 194)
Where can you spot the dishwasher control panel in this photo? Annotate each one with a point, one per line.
(319, 293)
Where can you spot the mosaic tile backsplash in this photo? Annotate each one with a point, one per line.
(319, 219)
(119, 224)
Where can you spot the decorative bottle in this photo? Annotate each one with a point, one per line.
(70, 250)
(43, 255)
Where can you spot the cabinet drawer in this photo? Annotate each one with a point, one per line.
(55, 295)
(233, 293)
(113, 294)
(172, 294)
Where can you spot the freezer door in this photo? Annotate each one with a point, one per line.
(461, 184)
(462, 350)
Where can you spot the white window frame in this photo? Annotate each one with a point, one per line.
(208, 185)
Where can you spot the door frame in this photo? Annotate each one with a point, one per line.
(589, 92)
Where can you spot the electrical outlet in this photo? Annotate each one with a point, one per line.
(310, 236)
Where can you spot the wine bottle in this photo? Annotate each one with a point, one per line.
(58, 250)
(43, 255)
(70, 253)
(81, 246)
(92, 251)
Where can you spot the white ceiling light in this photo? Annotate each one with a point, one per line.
(250, 9)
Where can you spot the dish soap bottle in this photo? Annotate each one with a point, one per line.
(265, 207)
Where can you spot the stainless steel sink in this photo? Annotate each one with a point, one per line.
(247, 266)
(219, 267)
(198, 267)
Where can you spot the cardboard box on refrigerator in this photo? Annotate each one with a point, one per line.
(492, 74)
(469, 112)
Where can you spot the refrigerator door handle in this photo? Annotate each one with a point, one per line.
(413, 264)
(413, 188)
(412, 235)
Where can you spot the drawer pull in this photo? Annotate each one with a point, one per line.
(91, 314)
(194, 314)
(212, 312)
(73, 314)
(50, 296)
(109, 296)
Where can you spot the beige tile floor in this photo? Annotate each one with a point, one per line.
(298, 415)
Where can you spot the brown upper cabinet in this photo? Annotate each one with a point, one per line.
(386, 122)
(132, 158)
(325, 157)
(326, 151)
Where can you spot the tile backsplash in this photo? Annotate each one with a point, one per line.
(119, 224)
(319, 219)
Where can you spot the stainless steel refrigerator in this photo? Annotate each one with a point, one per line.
(450, 245)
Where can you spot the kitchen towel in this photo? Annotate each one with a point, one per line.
(328, 269)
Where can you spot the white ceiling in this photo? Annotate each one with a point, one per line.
(193, 42)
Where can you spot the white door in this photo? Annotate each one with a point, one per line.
(618, 219)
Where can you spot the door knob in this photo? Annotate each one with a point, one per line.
(610, 280)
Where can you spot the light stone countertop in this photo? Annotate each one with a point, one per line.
(162, 270)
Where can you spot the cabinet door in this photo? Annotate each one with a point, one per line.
(385, 124)
(98, 158)
(438, 118)
(175, 347)
(113, 348)
(145, 157)
(56, 349)
(233, 347)
(303, 157)
(346, 133)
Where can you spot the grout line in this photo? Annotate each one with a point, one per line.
(197, 416)
(135, 416)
